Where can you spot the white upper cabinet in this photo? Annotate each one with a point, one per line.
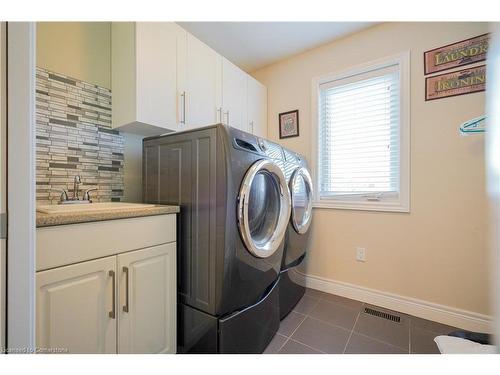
(164, 79)
(234, 96)
(200, 84)
(144, 76)
(256, 107)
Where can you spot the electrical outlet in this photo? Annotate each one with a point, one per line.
(361, 254)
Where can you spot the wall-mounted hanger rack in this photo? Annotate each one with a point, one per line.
(474, 126)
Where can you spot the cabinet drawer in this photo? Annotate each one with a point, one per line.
(66, 244)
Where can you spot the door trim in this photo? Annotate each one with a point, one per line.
(3, 175)
(21, 186)
(301, 228)
(270, 247)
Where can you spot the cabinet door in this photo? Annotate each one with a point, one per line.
(156, 58)
(202, 87)
(257, 107)
(76, 307)
(234, 96)
(147, 300)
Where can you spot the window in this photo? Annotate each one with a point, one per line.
(362, 138)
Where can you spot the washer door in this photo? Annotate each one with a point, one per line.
(263, 208)
(301, 190)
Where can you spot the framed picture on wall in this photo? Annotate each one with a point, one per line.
(289, 124)
(466, 81)
(457, 54)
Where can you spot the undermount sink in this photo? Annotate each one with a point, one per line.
(91, 207)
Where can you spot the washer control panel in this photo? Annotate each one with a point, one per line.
(262, 144)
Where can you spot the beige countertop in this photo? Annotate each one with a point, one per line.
(52, 219)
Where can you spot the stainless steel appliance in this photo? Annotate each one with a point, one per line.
(297, 238)
(234, 212)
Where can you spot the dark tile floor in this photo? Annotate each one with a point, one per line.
(326, 323)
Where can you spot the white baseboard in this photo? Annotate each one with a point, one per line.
(427, 310)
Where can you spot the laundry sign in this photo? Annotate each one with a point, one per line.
(457, 54)
(461, 82)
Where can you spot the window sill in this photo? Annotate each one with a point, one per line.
(382, 206)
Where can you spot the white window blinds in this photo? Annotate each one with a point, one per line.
(359, 133)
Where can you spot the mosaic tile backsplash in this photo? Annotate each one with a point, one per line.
(74, 137)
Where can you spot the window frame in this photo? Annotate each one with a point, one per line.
(351, 202)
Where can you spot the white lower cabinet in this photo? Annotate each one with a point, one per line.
(120, 303)
(75, 306)
(147, 301)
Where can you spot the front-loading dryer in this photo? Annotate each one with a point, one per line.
(298, 233)
(234, 211)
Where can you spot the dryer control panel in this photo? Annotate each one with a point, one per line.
(292, 157)
(249, 142)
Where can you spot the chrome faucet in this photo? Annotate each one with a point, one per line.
(86, 195)
(65, 199)
(64, 195)
(77, 181)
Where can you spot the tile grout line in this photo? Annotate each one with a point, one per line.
(289, 337)
(281, 347)
(363, 304)
(350, 335)
(295, 330)
(359, 333)
(322, 298)
(329, 323)
(319, 320)
(303, 320)
(340, 303)
(305, 317)
(316, 305)
(309, 346)
(380, 341)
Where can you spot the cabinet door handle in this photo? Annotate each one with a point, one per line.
(183, 117)
(125, 307)
(227, 117)
(219, 115)
(112, 313)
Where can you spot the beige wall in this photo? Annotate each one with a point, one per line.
(78, 49)
(82, 50)
(132, 168)
(438, 252)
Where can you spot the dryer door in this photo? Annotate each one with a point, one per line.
(263, 208)
(301, 190)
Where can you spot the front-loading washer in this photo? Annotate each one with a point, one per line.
(298, 233)
(234, 211)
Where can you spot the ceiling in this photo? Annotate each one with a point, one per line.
(253, 45)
